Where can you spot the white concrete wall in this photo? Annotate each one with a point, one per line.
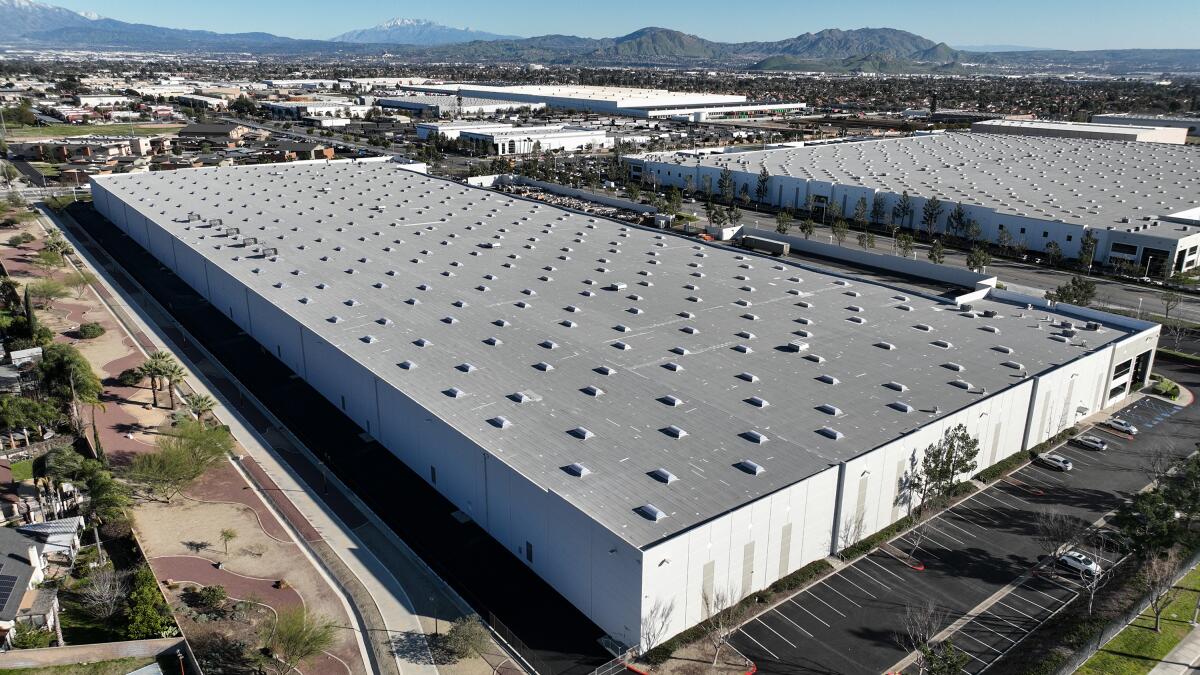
(777, 534)
(1067, 394)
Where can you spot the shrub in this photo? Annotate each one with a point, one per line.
(89, 331)
(211, 597)
(29, 637)
(466, 637)
(130, 377)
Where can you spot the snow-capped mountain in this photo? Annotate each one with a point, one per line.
(402, 31)
(23, 16)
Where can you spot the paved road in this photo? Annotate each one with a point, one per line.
(300, 133)
(848, 622)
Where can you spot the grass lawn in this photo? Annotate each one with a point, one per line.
(59, 130)
(114, 667)
(1137, 649)
(22, 470)
(79, 627)
(46, 169)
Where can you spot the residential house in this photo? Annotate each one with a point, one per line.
(22, 567)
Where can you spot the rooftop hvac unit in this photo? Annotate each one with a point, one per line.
(268, 252)
(967, 308)
(1093, 325)
(214, 222)
(193, 216)
(1069, 332)
(249, 241)
(230, 231)
(989, 313)
(798, 346)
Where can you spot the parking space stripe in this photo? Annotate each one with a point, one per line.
(806, 610)
(816, 597)
(1001, 602)
(947, 522)
(876, 563)
(1060, 585)
(843, 596)
(1048, 475)
(844, 578)
(1018, 596)
(989, 612)
(991, 630)
(979, 641)
(864, 573)
(958, 511)
(764, 647)
(951, 538)
(768, 627)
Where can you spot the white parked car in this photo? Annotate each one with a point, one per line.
(1079, 563)
(1057, 462)
(1092, 442)
(1121, 425)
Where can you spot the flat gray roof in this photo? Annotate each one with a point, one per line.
(1086, 182)
(552, 338)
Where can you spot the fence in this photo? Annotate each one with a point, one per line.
(539, 666)
(1110, 630)
(76, 654)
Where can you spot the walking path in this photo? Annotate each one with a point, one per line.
(1184, 658)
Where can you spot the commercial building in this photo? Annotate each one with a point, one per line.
(294, 110)
(445, 105)
(203, 102)
(1192, 124)
(365, 84)
(524, 140)
(85, 147)
(640, 418)
(1099, 132)
(100, 100)
(1140, 201)
(451, 130)
(611, 100)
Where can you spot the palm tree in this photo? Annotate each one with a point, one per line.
(149, 370)
(200, 404)
(172, 372)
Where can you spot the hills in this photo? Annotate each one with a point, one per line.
(31, 24)
(416, 32)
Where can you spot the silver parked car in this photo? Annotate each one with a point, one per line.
(1056, 462)
(1092, 442)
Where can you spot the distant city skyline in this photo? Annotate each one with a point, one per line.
(1063, 24)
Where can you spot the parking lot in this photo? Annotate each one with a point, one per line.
(848, 622)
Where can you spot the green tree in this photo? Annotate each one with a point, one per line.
(978, 259)
(956, 222)
(1004, 240)
(1077, 291)
(944, 658)
(201, 405)
(1087, 250)
(467, 636)
(19, 413)
(46, 261)
(930, 213)
(299, 637)
(878, 208)
(211, 597)
(79, 282)
(937, 252)
(783, 221)
(1054, 253)
(903, 209)
(184, 453)
(146, 615)
(28, 636)
(733, 215)
(953, 456)
(808, 226)
(840, 230)
(860, 213)
(45, 291)
(725, 185)
(1149, 521)
(243, 106)
(227, 535)
(904, 242)
(67, 376)
(761, 190)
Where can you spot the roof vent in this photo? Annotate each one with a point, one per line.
(906, 308)
(957, 367)
(1013, 364)
(605, 370)
(896, 386)
(990, 329)
(493, 341)
(543, 366)
(690, 330)
(746, 335)
(1003, 349)
(453, 392)
(854, 308)
(520, 397)
(369, 339)
(830, 432)
(961, 384)
(750, 317)
(815, 358)
(582, 433)
(749, 377)
(548, 344)
(754, 436)
(682, 351)
(672, 366)
(941, 344)
(621, 328)
(576, 469)
(674, 431)
(592, 390)
(621, 345)
(750, 467)
(856, 319)
(407, 365)
(828, 379)
(500, 422)
(900, 406)
(829, 409)
(745, 349)
(650, 512)
(885, 345)
(503, 323)
(670, 400)
(663, 476)
(923, 326)
(466, 367)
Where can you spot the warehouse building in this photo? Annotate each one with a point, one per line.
(452, 130)
(1140, 201)
(1096, 132)
(641, 418)
(524, 140)
(446, 105)
(1192, 124)
(203, 102)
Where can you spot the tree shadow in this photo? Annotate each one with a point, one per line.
(196, 546)
(417, 647)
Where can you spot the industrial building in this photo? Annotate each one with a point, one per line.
(631, 102)
(524, 140)
(203, 102)
(295, 110)
(1099, 132)
(639, 417)
(1141, 201)
(446, 105)
(1192, 124)
(451, 130)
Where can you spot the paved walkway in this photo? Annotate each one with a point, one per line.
(378, 585)
(1183, 659)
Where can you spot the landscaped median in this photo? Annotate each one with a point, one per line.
(1138, 648)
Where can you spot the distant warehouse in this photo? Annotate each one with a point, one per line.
(1101, 132)
(1192, 124)
(1139, 201)
(641, 419)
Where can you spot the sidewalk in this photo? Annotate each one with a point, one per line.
(372, 587)
(1182, 659)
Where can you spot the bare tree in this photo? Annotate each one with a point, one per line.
(850, 532)
(1158, 463)
(1170, 300)
(1158, 581)
(1175, 330)
(656, 622)
(1056, 531)
(105, 593)
(723, 616)
(922, 620)
(1106, 548)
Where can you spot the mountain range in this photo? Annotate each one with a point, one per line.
(416, 32)
(886, 50)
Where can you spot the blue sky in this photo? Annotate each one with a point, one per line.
(1067, 24)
